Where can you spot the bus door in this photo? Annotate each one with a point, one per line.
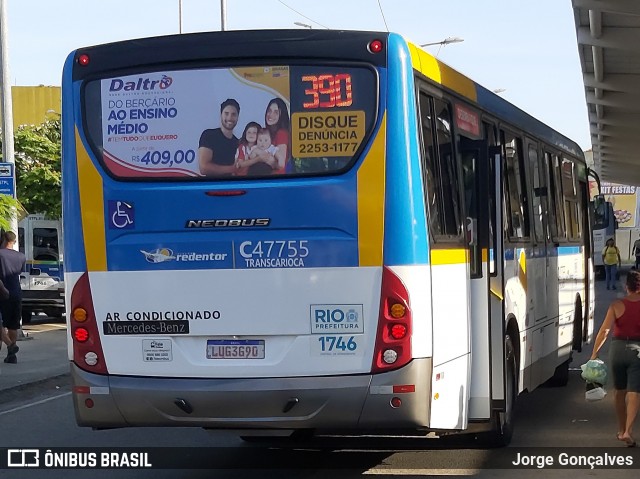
(539, 265)
(481, 164)
(449, 265)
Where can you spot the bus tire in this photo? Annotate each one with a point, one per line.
(504, 420)
(27, 314)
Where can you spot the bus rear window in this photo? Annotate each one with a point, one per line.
(231, 123)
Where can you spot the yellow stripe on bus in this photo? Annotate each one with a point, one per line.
(449, 256)
(371, 177)
(441, 73)
(91, 210)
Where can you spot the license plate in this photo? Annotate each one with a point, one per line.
(235, 349)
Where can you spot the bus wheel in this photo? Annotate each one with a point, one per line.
(503, 420)
(27, 313)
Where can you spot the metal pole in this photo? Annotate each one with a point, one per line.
(6, 106)
(180, 16)
(223, 15)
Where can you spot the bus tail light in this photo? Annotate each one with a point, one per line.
(375, 46)
(83, 60)
(87, 348)
(393, 339)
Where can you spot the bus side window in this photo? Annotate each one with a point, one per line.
(448, 170)
(432, 191)
(45, 244)
(571, 200)
(538, 199)
(517, 223)
(439, 168)
(555, 185)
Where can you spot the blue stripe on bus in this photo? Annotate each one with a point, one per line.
(567, 250)
(75, 260)
(298, 212)
(405, 223)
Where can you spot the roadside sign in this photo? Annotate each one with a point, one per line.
(7, 183)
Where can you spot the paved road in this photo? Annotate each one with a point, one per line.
(41, 415)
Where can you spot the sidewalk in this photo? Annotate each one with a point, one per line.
(43, 355)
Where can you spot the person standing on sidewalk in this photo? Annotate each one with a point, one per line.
(623, 319)
(12, 263)
(612, 261)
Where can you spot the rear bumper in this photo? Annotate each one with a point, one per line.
(43, 298)
(330, 402)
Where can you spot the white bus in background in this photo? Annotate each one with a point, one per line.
(42, 281)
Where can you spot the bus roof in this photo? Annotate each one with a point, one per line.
(304, 44)
(455, 81)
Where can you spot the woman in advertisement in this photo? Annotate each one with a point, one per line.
(276, 119)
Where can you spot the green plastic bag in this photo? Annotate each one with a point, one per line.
(594, 371)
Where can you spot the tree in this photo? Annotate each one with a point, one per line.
(38, 172)
(8, 208)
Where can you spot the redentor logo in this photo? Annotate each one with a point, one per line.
(141, 84)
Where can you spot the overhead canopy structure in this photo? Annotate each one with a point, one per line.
(608, 34)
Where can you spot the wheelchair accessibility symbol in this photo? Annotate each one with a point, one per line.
(121, 215)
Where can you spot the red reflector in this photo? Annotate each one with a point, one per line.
(404, 388)
(396, 402)
(375, 46)
(88, 402)
(398, 331)
(83, 60)
(81, 389)
(226, 193)
(81, 335)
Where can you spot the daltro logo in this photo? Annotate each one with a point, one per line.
(141, 84)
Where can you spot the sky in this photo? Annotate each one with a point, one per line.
(528, 49)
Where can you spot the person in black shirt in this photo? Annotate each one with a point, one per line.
(217, 147)
(12, 263)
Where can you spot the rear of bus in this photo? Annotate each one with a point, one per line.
(250, 301)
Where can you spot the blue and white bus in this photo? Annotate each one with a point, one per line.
(411, 254)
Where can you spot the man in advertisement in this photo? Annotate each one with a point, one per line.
(217, 147)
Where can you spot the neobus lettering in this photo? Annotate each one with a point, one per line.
(330, 121)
